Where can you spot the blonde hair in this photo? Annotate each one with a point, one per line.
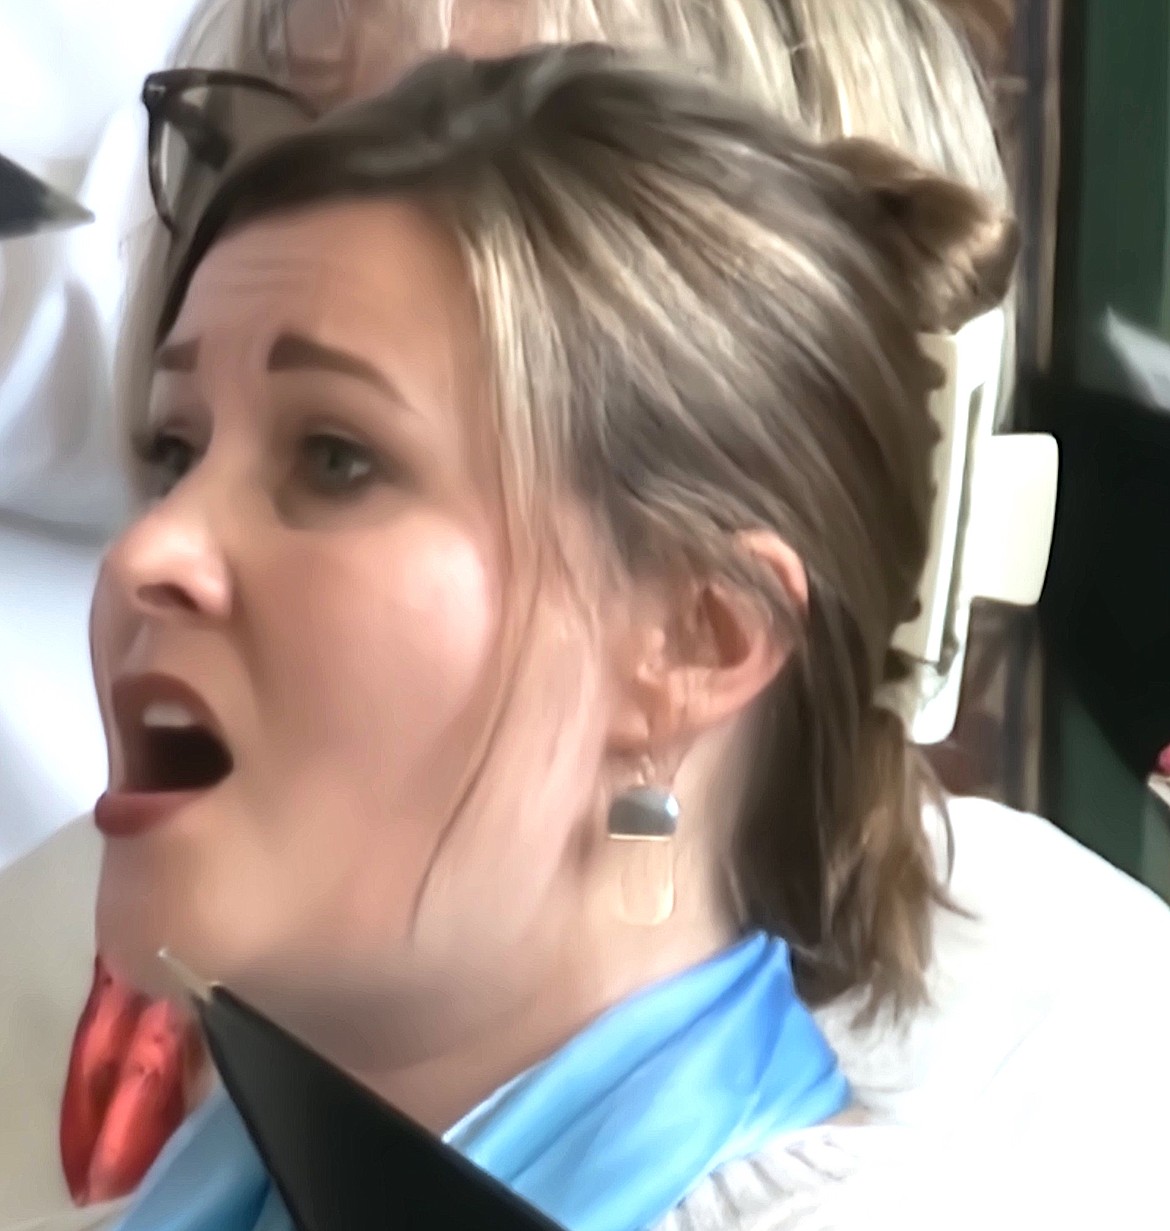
(895, 70)
(898, 71)
(701, 324)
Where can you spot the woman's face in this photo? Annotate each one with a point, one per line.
(334, 53)
(320, 580)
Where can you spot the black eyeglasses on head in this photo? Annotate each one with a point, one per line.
(200, 121)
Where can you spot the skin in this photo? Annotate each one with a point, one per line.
(413, 879)
(334, 58)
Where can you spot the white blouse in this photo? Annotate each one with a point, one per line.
(885, 1178)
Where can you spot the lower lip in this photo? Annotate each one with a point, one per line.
(125, 814)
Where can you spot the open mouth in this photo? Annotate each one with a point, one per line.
(170, 742)
(185, 758)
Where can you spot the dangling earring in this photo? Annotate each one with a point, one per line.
(641, 826)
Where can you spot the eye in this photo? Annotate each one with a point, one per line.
(164, 458)
(336, 466)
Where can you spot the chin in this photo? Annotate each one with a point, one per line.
(132, 956)
(139, 914)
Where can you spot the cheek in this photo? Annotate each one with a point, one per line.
(374, 652)
(375, 662)
(402, 627)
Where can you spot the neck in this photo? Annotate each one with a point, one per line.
(582, 981)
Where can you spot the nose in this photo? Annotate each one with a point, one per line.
(170, 562)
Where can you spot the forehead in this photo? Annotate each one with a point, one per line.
(372, 275)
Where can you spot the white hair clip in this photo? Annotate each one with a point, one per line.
(991, 528)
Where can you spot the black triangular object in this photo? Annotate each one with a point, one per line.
(28, 205)
(342, 1159)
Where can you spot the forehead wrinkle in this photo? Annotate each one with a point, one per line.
(290, 275)
(237, 269)
(368, 248)
(268, 289)
(318, 292)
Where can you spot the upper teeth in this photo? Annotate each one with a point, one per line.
(168, 714)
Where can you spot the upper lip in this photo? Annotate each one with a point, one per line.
(130, 696)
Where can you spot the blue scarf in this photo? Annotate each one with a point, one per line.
(609, 1134)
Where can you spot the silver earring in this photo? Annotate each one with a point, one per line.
(645, 813)
(641, 825)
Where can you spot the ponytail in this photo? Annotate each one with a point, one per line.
(832, 852)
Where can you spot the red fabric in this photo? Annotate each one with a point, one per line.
(1164, 762)
(125, 1090)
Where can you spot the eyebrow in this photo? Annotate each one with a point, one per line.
(291, 352)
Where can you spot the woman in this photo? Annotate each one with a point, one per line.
(890, 68)
(539, 460)
(1008, 1020)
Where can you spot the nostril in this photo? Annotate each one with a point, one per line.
(188, 577)
(164, 595)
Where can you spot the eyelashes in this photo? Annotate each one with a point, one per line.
(336, 465)
(162, 458)
(328, 465)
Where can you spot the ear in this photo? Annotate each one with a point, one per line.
(705, 654)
